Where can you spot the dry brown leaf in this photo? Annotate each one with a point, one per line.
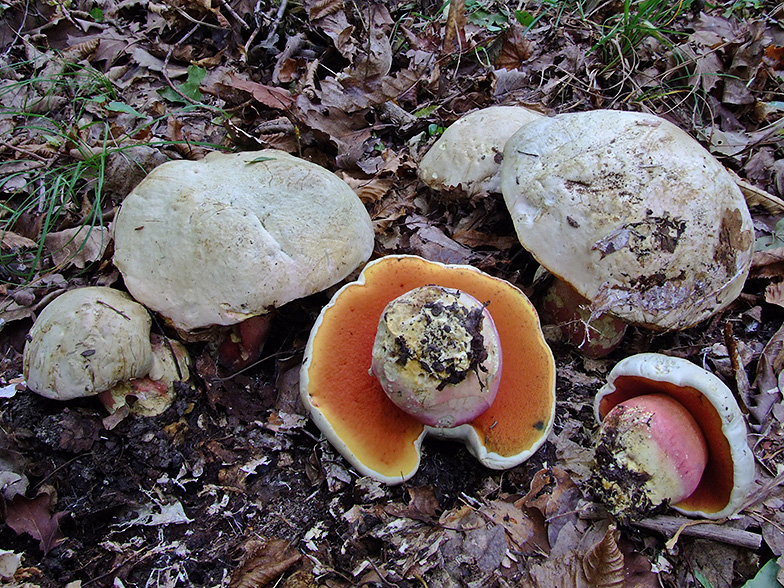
(454, 33)
(369, 190)
(769, 379)
(263, 563)
(423, 505)
(473, 238)
(271, 96)
(603, 565)
(10, 240)
(516, 50)
(78, 246)
(34, 517)
(323, 8)
(525, 529)
(774, 293)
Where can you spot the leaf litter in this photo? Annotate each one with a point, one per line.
(231, 486)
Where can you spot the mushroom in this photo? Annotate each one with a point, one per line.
(85, 341)
(467, 156)
(671, 433)
(631, 212)
(343, 378)
(232, 236)
(155, 392)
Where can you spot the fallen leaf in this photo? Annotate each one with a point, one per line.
(271, 96)
(78, 246)
(769, 379)
(10, 240)
(263, 563)
(454, 33)
(34, 516)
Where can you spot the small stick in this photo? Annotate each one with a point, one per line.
(676, 526)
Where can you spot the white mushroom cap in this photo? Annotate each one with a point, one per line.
(216, 241)
(468, 154)
(729, 474)
(86, 341)
(632, 212)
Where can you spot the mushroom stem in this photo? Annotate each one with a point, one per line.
(437, 355)
(651, 453)
(244, 342)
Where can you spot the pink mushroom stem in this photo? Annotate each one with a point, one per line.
(651, 452)
(437, 355)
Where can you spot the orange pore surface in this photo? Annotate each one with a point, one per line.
(378, 433)
(713, 492)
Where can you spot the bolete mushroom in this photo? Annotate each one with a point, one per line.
(85, 341)
(671, 433)
(232, 236)
(630, 211)
(439, 333)
(467, 156)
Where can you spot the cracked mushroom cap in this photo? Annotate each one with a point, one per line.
(86, 341)
(468, 153)
(729, 473)
(380, 440)
(632, 212)
(216, 241)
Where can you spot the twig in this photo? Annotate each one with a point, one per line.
(270, 40)
(187, 16)
(166, 67)
(676, 526)
(23, 150)
(236, 16)
(18, 32)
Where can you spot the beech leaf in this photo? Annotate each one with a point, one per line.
(34, 517)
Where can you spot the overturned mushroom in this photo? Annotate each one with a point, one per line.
(468, 155)
(87, 341)
(438, 354)
(630, 211)
(671, 434)
(230, 237)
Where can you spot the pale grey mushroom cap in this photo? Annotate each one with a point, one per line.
(216, 241)
(632, 212)
(86, 341)
(468, 153)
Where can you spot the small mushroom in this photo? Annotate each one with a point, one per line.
(381, 439)
(630, 211)
(467, 156)
(85, 341)
(232, 236)
(155, 392)
(671, 434)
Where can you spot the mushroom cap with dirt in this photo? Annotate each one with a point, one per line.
(232, 236)
(467, 156)
(85, 341)
(727, 474)
(632, 212)
(351, 395)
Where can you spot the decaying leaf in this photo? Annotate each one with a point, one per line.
(263, 563)
(78, 246)
(770, 378)
(34, 516)
(10, 240)
(603, 564)
(454, 33)
(271, 96)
